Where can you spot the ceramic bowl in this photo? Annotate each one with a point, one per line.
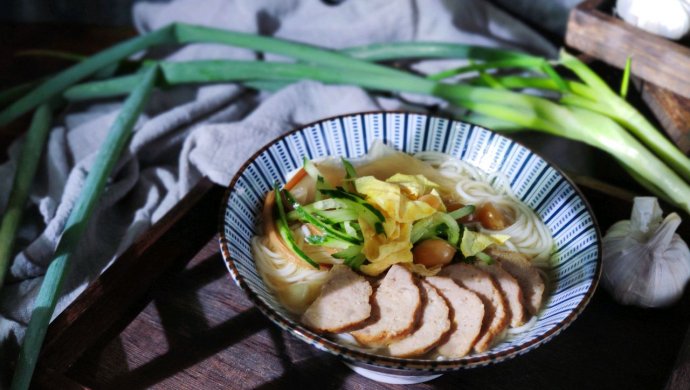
(537, 183)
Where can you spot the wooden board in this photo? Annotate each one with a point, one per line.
(594, 31)
(16, 69)
(194, 328)
(167, 315)
(661, 67)
(671, 110)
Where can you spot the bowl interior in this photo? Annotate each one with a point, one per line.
(538, 184)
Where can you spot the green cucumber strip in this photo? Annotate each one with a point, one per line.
(352, 229)
(421, 229)
(338, 216)
(350, 172)
(462, 212)
(483, 257)
(310, 168)
(351, 251)
(354, 200)
(310, 218)
(355, 261)
(285, 231)
(327, 241)
(427, 228)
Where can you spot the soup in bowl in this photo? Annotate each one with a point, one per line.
(410, 245)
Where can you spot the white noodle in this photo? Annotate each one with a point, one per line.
(528, 234)
(281, 274)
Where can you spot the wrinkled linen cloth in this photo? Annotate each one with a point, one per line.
(190, 132)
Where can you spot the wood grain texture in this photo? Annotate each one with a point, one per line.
(152, 322)
(200, 331)
(655, 59)
(114, 296)
(672, 111)
(47, 378)
(15, 70)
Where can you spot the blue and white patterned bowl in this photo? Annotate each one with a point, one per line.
(542, 187)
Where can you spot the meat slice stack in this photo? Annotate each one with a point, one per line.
(466, 308)
(434, 325)
(399, 304)
(467, 316)
(481, 283)
(511, 292)
(343, 303)
(527, 276)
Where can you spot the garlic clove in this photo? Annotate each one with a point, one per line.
(647, 215)
(668, 18)
(645, 263)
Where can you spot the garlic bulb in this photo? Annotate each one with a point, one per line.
(668, 18)
(644, 262)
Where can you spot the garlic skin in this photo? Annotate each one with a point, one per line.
(644, 262)
(668, 18)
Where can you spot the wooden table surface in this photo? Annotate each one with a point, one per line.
(167, 315)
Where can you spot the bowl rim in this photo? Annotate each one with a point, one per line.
(387, 362)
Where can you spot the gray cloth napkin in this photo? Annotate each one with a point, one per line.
(187, 133)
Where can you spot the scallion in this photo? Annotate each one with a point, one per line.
(107, 156)
(26, 170)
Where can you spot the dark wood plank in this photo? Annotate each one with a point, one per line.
(113, 297)
(200, 331)
(655, 59)
(75, 38)
(46, 378)
(680, 375)
(15, 70)
(672, 111)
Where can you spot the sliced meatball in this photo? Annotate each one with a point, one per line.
(435, 323)
(528, 277)
(482, 284)
(399, 305)
(344, 303)
(467, 316)
(511, 292)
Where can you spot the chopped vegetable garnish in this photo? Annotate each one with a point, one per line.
(475, 242)
(309, 218)
(462, 212)
(414, 186)
(284, 230)
(327, 241)
(481, 256)
(366, 210)
(350, 172)
(428, 228)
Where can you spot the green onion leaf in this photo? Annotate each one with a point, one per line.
(57, 84)
(26, 170)
(107, 156)
(626, 78)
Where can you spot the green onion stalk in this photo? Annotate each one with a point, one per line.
(587, 111)
(26, 170)
(107, 156)
(352, 66)
(522, 110)
(594, 94)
